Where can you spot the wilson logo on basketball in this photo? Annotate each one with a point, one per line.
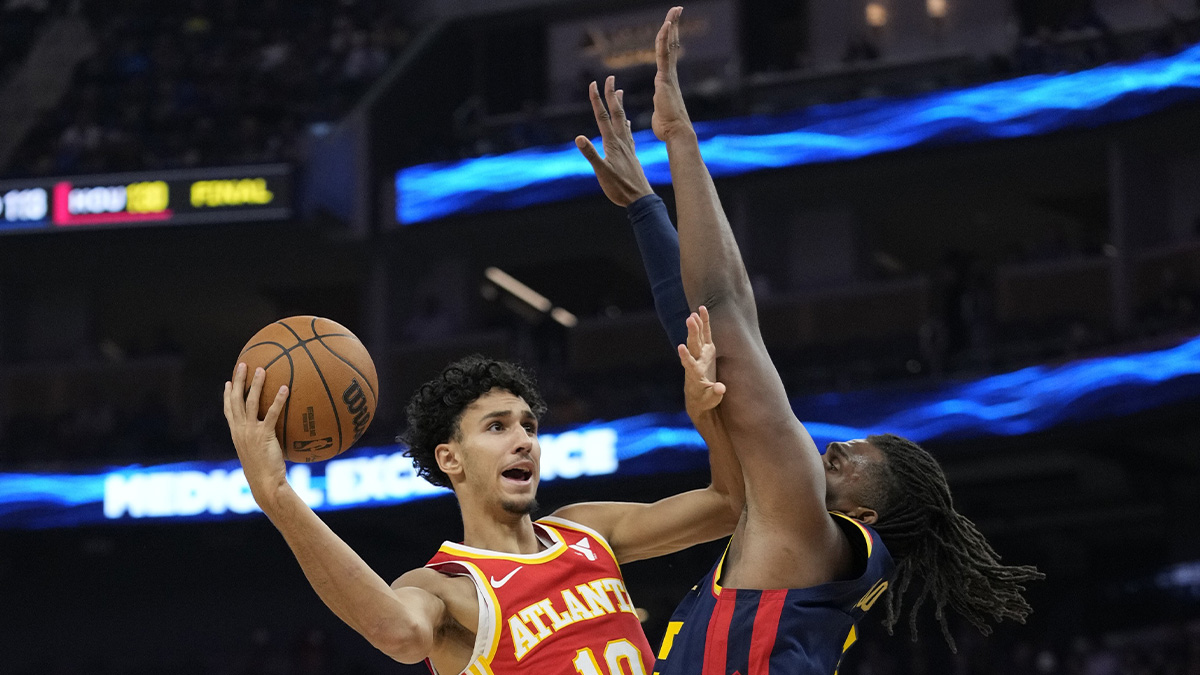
(356, 402)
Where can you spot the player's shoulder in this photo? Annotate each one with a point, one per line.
(444, 586)
(579, 513)
(579, 520)
(869, 554)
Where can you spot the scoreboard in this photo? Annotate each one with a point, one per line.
(176, 197)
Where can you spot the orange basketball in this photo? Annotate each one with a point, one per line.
(331, 379)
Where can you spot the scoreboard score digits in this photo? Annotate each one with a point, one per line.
(23, 206)
(234, 194)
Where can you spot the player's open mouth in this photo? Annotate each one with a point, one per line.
(518, 474)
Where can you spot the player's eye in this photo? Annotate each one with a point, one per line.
(495, 426)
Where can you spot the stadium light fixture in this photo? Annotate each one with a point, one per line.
(877, 16)
(522, 292)
(564, 317)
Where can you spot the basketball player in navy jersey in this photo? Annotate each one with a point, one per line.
(824, 536)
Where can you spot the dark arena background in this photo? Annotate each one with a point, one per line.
(972, 222)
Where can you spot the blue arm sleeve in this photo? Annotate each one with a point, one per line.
(659, 245)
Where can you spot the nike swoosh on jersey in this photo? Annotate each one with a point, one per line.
(498, 584)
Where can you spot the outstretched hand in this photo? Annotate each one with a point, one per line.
(620, 173)
(254, 439)
(670, 115)
(701, 391)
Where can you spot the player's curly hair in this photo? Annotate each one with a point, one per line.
(434, 412)
(930, 540)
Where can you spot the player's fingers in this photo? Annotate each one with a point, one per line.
(693, 339)
(661, 57)
(674, 46)
(255, 392)
(690, 363)
(237, 391)
(685, 357)
(705, 325)
(589, 152)
(276, 408)
(603, 119)
(614, 103)
(227, 402)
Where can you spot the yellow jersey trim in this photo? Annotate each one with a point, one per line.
(497, 618)
(866, 535)
(716, 587)
(551, 553)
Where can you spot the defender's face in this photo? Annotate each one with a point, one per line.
(848, 467)
(499, 449)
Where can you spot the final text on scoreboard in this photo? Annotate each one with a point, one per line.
(177, 197)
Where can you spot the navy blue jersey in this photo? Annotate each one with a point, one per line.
(803, 631)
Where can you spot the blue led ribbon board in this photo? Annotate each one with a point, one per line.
(1025, 106)
(1011, 404)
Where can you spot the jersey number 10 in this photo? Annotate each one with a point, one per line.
(616, 651)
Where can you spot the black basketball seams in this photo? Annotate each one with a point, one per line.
(259, 344)
(320, 338)
(268, 342)
(337, 419)
(339, 357)
(290, 330)
(286, 353)
(287, 405)
(301, 342)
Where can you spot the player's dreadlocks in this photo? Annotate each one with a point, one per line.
(930, 540)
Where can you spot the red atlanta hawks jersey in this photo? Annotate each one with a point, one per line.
(563, 610)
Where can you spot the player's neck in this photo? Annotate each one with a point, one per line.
(507, 533)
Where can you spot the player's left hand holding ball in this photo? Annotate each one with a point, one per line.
(255, 441)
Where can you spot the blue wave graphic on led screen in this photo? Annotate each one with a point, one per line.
(1011, 404)
(1021, 107)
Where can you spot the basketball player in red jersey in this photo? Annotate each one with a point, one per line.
(540, 597)
(815, 547)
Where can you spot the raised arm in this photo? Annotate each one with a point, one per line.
(785, 483)
(404, 623)
(624, 183)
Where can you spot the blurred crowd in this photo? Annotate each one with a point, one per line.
(1049, 37)
(209, 82)
(20, 21)
(205, 82)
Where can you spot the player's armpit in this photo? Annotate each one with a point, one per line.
(432, 604)
(638, 531)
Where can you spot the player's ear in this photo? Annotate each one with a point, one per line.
(448, 459)
(864, 514)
